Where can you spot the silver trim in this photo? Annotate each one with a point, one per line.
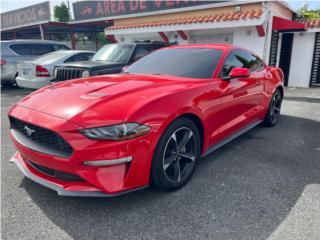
(60, 190)
(111, 162)
(231, 137)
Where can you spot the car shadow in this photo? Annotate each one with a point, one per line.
(302, 99)
(244, 190)
(14, 91)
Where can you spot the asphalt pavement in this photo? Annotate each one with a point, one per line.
(262, 185)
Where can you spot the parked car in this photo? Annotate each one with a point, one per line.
(107, 135)
(14, 51)
(38, 73)
(109, 59)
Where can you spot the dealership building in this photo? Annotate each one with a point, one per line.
(265, 27)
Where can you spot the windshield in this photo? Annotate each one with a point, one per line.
(114, 53)
(180, 62)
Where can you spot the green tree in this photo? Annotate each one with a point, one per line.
(304, 13)
(61, 13)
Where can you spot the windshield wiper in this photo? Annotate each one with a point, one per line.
(157, 74)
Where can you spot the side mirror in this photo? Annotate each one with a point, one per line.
(239, 73)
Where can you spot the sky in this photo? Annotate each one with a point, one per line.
(8, 5)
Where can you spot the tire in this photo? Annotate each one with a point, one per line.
(176, 155)
(273, 114)
(6, 84)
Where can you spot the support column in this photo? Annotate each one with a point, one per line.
(96, 37)
(73, 39)
(41, 31)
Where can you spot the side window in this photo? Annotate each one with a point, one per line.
(79, 57)
(40, 49)
(141, 51)
(257, 64)
(252, 62)
(233, 60)
(58, 47)
(21, 49)
(242, 59)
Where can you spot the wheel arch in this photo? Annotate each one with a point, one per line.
(198, 122)
(281, 89)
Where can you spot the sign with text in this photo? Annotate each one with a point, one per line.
(85, 10)
(25, 16)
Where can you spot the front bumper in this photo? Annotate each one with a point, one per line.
(102, 180)
(27, 171)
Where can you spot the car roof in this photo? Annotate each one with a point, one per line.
(73, 51)
(31, 41)
(205, 45)
(143, 43)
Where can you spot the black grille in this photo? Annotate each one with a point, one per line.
(67, 177)
(40, 139)
(63, 73)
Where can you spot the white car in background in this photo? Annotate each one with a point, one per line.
(38, 73)
(15, 51)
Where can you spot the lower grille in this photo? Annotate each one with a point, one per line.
(63, 73)
(67, 177)
(39, 139)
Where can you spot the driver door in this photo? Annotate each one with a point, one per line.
(240, 97)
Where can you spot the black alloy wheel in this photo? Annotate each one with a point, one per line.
(273, 113)
(176, 155)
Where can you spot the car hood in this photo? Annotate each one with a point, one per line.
(101, 100)
(92, 64)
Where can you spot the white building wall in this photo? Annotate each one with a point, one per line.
(246, 37)
(211, 36)
(301, 59)
(249, 38)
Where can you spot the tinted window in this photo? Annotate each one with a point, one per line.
(141, 51)
(79, 57)
(21, 49)
(40, 49)
(32, 49)
(180, 62)
(242, 59)
(58, 47)
(114, 53)
(256, 64)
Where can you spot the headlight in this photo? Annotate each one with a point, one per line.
(85, 74)
(55, 73)
(116, 132)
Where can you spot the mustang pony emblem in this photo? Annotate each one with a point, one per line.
(29, 131)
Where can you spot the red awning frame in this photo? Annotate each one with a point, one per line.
(285, 25)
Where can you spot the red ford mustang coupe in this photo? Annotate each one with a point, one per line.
(107, 135)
